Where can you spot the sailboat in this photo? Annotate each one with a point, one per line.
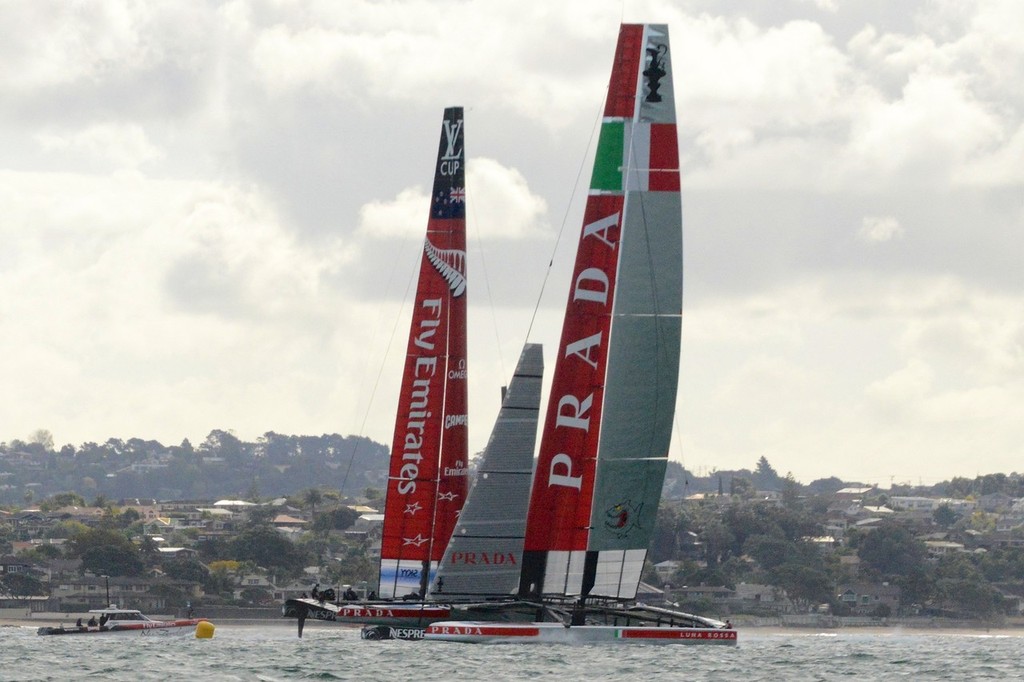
(479, 573)
(421, 573)
(428, 470)
(604, 448)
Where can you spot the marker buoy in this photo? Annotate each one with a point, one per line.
(204, 630)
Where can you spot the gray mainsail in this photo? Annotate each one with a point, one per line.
(485, 553)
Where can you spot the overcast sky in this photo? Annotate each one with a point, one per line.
(211, 213)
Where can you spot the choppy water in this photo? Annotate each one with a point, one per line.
(272, 652)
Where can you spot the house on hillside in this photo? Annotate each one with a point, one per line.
(865, 599)
(855, 493)
(995, 502)
(753, 595)
(666, 569)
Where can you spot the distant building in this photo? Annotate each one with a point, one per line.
(855, 493)
(937, 548)
(864, 599)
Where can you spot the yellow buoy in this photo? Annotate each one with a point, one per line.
(204, 630)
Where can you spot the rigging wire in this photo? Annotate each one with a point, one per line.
(387, 350)
(487, 281)
(565, 216)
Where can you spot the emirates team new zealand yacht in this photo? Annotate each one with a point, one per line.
(427, 481)
(604, 448)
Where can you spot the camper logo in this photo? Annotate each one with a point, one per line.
(622, 518)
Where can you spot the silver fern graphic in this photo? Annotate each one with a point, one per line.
(450, 264)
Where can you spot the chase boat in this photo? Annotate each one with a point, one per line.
(116, 620)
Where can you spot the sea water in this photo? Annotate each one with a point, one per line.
(273, 652)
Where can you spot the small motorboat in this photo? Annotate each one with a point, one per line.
(116, 620)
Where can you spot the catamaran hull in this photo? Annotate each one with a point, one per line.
(380, 632)
(396, 614)
(556, 633)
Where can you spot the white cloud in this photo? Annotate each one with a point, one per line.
(880, 229)
(905, 387)
(405, 215)
(502, 202)
(126, 146)
(497, 198)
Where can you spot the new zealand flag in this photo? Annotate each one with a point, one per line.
(449, 203)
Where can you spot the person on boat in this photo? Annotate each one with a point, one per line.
(728, 625)
(350, 595)
(372, 595)
(315, 592)
(78, 623)
(92, 622)
(103, 620)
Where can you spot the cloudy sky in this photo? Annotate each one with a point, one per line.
(211, 214)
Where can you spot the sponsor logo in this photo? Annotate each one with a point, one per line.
(406, 633)
(459, 372)
(419, 398)
(451, 161)
(622, 518)
(451, 265)
(454, 630)
(458, 470)
(655, 69)
(324, 614)
(484, 558)
(673, 633)
(414, 542)
(455, 420)
(592, 286)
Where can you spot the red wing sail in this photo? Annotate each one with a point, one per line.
(427, 475)
(606, 431)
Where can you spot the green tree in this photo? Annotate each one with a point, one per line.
(311, 498)
(60, 500)
(765, 476)
(805, 585)
(769, 551)
(969, 597)
(718, 541)
(339, 518)
(43, 438)
(86, 539)
(112, 560)
(791, 490)
(944, 516)
(21, 585)
(267, 548)
(891, 549)
(257, 596)
(127, 518)
(741, 487)
(188, 570)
